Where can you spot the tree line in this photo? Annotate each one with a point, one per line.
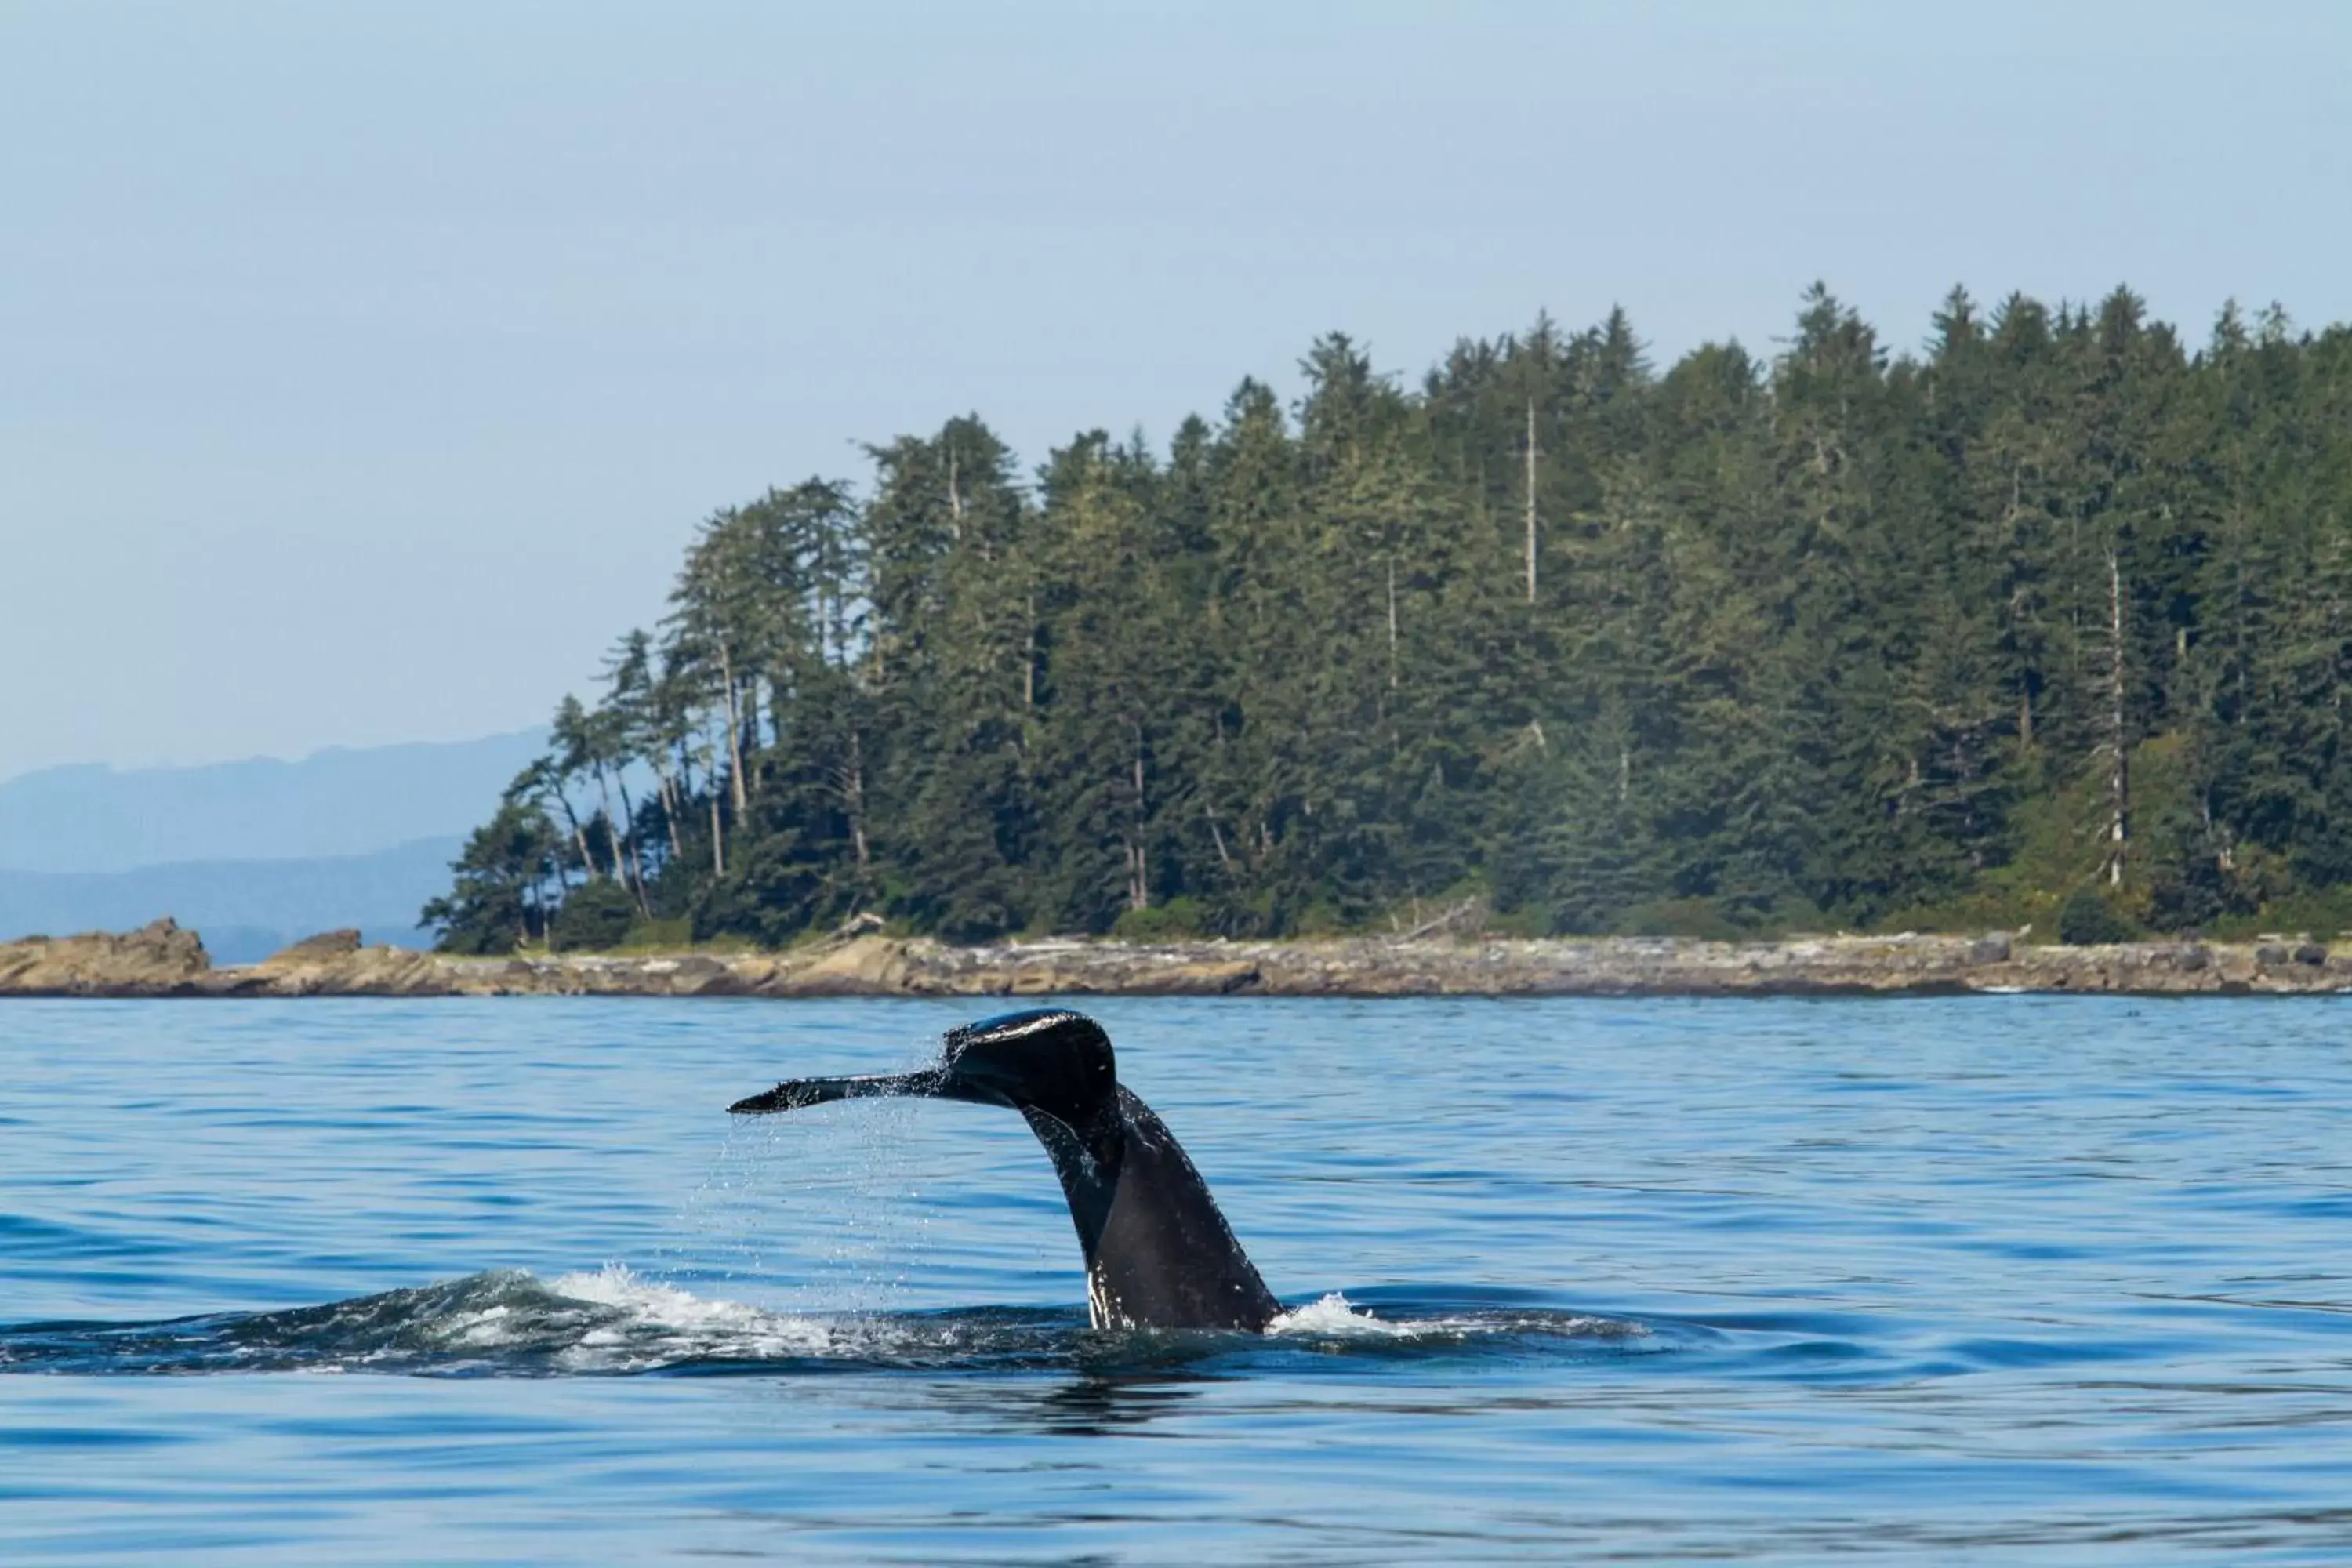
(2055, 607)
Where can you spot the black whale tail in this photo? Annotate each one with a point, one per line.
(1158, 1251)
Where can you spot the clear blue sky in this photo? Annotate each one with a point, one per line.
(363, 367)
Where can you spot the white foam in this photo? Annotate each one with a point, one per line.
(661, 1323)
(1333, 1315)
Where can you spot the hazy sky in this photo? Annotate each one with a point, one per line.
(363, 367)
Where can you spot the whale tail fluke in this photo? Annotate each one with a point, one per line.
(795, 1093)
(1157, 1252)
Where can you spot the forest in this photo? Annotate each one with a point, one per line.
(2047, 621)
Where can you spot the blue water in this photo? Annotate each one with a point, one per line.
(2001, 1280)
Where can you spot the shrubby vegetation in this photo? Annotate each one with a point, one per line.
(2056, 607)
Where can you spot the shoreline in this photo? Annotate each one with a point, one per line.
(163, 960)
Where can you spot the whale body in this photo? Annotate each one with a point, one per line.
(1158, 1255)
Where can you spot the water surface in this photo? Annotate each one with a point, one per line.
(1998, 1278)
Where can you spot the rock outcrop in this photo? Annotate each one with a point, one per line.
(333, 963)
(164, 961)
(323, 948)
(157, 960)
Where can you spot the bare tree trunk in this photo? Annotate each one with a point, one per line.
(734, 730)
(1531, 500)
(2118, 796)
(1224, 859)
(1138, 886)
(718, 822)
(636, 860)
(955, 499)
(611, 828)
(1029, 658)
(857, 793)
(670, 799)
(578, 835)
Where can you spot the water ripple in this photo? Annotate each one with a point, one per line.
(2016, 1280)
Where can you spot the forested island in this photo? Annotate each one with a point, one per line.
(2045, 624)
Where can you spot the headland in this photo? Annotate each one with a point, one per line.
(165, 960)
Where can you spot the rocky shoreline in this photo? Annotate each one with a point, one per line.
(163, 960)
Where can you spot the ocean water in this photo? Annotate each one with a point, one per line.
(2000, 1280)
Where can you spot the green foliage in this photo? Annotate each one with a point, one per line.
(592, 918)
(1736, 647)
(2324, 912)
(1178, 918)
(1680, 917)
(659, 934)
(499, 898)
(2087, 920)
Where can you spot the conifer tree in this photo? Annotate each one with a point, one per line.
(1835, 635)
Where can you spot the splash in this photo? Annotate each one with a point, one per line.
(853, 1180)
(656, 1325)
(1332, 1315)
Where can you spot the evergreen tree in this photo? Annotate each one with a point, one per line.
(2049, 608)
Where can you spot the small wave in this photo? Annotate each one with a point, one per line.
(1334, 1317)
(613, 1322)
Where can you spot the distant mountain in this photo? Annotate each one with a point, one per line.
(245, 908)
(337, 803)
